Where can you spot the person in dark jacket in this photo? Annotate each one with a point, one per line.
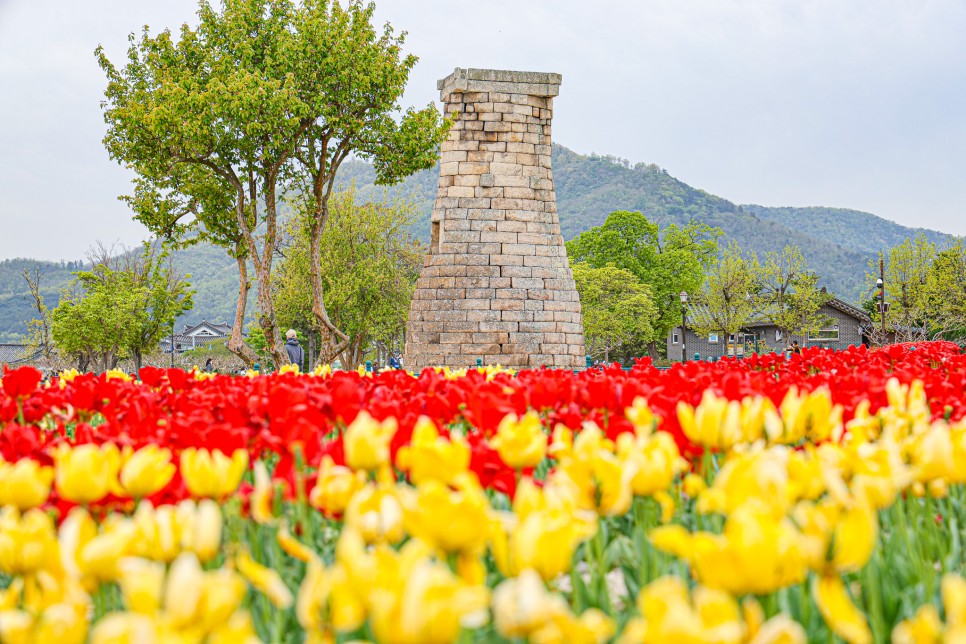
(295, 354)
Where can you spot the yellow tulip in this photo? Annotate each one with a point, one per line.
(592, 627)
(334, 487)
(430, 605)
(28, 543)
(142, 583)
(376, 514)
(809, 415)
(694, 485)
(656, 460)
(924, 626)
(367, 441)
(293, 547)
(202, 528)
(183, 591)
(62, 623)
(562, 442)
(224, 592)
(10, 596)
(99, 557)
(146, 471)
(431, 457)
(545, 541)
(237, 629)
(465, 510)
(715, 423)
(954, 599)
(266, 580)
(124, 628)
(75, 533)
(86, 473)
(520, 442)
(758, 552)
(24, 484)
(263, 496)
(594, 476)
(759, 475)
(159, 532)
(641, 417)
(522, 605)
(326, 601)
(16, 627)
(840, 613)
(855, 536)
(932, 454)
(212, 474)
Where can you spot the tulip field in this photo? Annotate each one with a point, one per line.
(811, 499)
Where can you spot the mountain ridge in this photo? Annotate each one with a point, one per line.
(836, 242)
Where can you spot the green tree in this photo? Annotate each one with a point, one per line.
(263, 98)
(93, 320)
(726, 302)
(38, 328)
(617, 308)
(370, 264)
(912, 303)
(946, 293)
(165, 295)
(122, 307)
(788, 295)
(667, 261)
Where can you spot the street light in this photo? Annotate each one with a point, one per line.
(879, 284)
(684, 327)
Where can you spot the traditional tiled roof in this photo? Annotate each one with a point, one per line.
(221, 329)
(760, 318)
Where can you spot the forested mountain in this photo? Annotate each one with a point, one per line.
(836, 242)
(849, 228)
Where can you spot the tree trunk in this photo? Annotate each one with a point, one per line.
(236, 344)
(266, 317)
(332, 341)
(652, 350)
(137, 362)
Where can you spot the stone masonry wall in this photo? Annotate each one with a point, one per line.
(496, 285)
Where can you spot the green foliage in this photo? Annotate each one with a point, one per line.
(925, 287)
(122, 307)
(369, 263)
(946, 292)
(256, 340)
(788, 295)
(726, 302)
(262, 98)
(617, 309)
(668, 260)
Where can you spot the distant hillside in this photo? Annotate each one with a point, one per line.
(837, 242)
(853, 229)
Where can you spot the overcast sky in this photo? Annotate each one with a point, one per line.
(850, 103)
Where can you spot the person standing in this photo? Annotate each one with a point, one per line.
(295, 354)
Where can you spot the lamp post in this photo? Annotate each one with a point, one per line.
(684, 326)
(880, 284)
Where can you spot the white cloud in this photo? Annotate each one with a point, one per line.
(783, 102)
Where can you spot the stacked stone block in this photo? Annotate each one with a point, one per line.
(496, 285)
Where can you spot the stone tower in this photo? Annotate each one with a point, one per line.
(496, 285)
